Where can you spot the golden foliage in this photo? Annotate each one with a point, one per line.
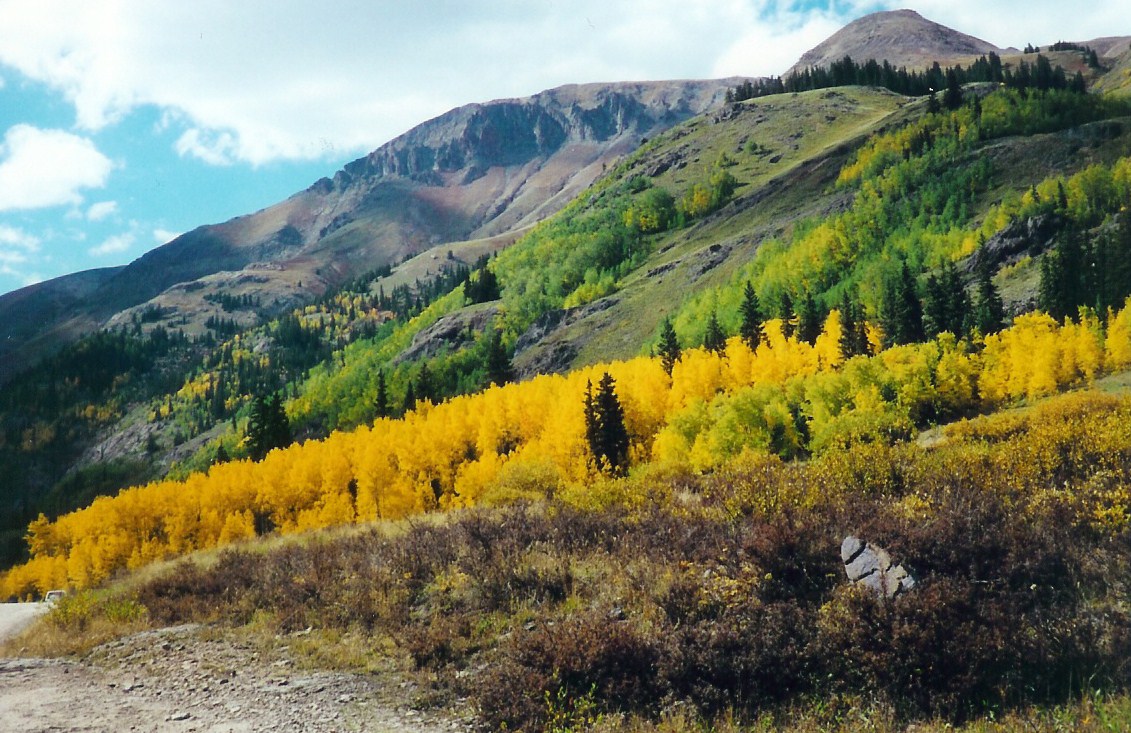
(785, 398)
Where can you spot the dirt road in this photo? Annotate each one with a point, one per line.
(191, 679)
(15, 616)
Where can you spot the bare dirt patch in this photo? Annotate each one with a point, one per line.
(197, 679)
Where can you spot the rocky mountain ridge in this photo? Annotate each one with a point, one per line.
(476, 172)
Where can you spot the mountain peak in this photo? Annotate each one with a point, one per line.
(901, 37)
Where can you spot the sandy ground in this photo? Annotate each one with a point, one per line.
(191, 679)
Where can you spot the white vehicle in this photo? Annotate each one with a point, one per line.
(54, 596)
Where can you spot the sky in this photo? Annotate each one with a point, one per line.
(124, 123)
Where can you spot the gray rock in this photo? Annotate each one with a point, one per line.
(873, 568)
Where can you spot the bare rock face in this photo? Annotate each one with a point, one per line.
(872, 567)
(453, 331)
(1024, 237)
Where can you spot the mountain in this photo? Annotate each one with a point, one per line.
(668, 200)
(481, 173)
(901, 37)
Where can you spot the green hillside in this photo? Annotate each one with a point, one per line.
(831, 314)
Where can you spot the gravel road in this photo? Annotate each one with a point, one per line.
(15, 616)
(190, 679)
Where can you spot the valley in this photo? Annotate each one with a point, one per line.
(555, 414)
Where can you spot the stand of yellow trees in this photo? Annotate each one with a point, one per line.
(785, 397)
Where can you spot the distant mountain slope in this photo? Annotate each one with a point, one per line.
(477, 171)
(902, 37)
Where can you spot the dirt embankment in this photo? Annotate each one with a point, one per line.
(193, 679)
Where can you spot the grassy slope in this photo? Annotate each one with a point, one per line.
(786, 179)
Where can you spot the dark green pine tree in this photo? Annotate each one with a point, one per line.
(425, 386)
(853, 334)
(482, 287)
(751, 328)
(989, 310)
(605, 430)
(268, 427)
(669, 349)
(1060, 290)
(933, 105)
(381, 401)
(713, 338)
(785, 313)
(1117, 268)
(952, 97)
(809, 320)
(946, 306)
(901, 313)
(409, 403)
(499, 369)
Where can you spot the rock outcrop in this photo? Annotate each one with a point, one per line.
(872, 567)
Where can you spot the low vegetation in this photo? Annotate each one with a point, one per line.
(671, 596)
(653, 543)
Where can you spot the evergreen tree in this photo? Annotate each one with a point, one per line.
(933, 105)
(809, 320)
(946, 306)
(785, 313)
(499, 369)
(482, 287)
(713, 338)
(901, 313)
(854, 334)
(751, 328)
(1060, 290)
(268, 428)
(989, 313)
(425, 387)
(670, 352)
(605, 430)
(381, 402)
(952, 97)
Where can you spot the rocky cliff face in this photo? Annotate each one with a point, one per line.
(479, 171)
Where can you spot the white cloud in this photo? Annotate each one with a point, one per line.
(261, 80)
(101, 210)
(161, 236)
(113, 245)
(13, 237)
(214, 148)
(42, 168)
(16, 248)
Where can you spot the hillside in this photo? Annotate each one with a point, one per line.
(478, 171)
(212, 344)
(587, 410)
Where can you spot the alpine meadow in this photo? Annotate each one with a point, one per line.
(579, 412)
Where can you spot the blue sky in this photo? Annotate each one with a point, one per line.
(126, 122)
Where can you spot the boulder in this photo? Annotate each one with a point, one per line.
(873, 568)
